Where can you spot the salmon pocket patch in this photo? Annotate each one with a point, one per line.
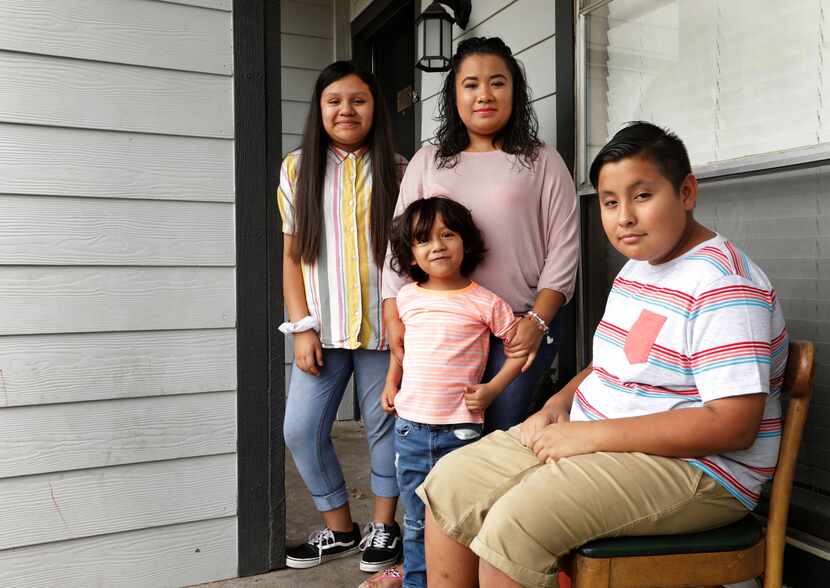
(642, 335)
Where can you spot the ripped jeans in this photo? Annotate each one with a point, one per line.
(418, 448)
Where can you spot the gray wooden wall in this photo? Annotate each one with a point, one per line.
(117, 300)
(529, 28)
(307, 36)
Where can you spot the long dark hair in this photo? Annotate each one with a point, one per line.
(309, 190)
(520, 136)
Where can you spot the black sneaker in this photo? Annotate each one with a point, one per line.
(381, 545)
(322, 546)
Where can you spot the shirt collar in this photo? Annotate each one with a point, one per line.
(340, 155)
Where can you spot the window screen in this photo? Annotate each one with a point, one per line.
(734, 78)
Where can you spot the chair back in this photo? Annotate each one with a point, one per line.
(798, 386)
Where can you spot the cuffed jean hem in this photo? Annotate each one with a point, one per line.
(336, 499)
(385, 486)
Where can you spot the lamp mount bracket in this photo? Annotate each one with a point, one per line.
(461, 9)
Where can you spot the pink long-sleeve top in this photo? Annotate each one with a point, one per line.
(528, 217)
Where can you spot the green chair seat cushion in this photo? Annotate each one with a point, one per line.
(740, 535)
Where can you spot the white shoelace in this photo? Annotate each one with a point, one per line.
(321, 539)
(375, 535)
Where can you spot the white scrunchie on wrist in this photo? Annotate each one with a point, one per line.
(306, 323)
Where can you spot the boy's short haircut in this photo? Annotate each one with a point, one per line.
(662, 147)
(456, 217)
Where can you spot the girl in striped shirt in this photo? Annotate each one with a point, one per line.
(336, 197)
(437, 391)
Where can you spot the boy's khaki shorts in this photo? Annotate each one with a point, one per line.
(521, 515)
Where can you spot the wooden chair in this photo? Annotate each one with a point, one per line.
(734, 553)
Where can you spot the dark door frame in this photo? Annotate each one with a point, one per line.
(369, 22)
(565, 42)
(259, 305)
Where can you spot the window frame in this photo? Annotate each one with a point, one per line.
(805, 156)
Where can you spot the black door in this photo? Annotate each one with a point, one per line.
(384, 42)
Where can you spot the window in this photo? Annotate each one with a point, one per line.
(743, 82)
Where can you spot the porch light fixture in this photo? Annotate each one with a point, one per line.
(433, 33)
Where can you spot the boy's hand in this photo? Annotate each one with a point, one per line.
(308, 352)
(531, 429)
(387, 399)
(524, 342)
(560, 440)
(480, 396)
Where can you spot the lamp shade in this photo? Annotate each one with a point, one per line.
(433, 32)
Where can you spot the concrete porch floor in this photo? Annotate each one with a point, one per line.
(302, 519)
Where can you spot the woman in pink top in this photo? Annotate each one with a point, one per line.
(489, 158)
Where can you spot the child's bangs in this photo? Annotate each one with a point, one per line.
(422, 222)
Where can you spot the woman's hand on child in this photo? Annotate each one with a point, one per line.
(524, 342)
(387, 399)
(308, 352)
(480, 396)
(394, 336)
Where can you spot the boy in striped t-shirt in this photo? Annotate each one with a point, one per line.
(448, 318)
(672, 429)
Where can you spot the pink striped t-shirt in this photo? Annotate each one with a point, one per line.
(446, 343)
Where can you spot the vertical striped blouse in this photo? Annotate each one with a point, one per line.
(342, 287)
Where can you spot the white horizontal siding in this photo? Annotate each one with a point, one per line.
(118, 307)
(86, 299)
(95, 231)
(306, 52)
(291, 141)
(47, 369)
(546, 112)
(298, 84)
(429, 118)
(152, 34)
(72, 162)
(298, 18)
(540, 66)
(176, 555)
(37, 89)
(520, 24)
(71, 505)
(293, 117)
(63, 437)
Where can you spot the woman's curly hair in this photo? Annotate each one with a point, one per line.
(520, 136)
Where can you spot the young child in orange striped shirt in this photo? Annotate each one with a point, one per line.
(437, 392)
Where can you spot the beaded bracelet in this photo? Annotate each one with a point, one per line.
(540, 322)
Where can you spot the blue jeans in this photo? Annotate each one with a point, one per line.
(511, 406)
(418, 448)
(311, 409)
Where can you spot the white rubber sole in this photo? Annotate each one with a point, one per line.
(304, 564)
(377, 566)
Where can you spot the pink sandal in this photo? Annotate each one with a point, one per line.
(388, 578)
